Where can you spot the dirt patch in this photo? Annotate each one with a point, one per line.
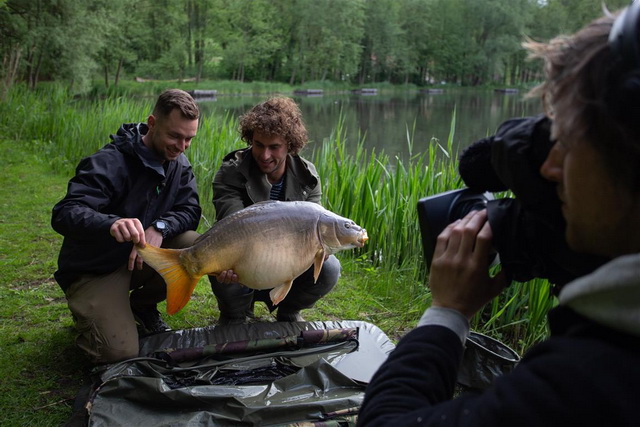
(34, 284)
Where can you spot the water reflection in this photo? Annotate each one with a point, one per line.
(385, 121)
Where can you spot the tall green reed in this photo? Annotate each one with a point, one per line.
(63, 129)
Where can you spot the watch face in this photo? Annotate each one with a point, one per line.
(160, 225)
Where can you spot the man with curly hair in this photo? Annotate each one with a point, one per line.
(269, 169)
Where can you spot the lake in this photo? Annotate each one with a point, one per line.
(384, 120)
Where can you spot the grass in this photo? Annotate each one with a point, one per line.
(46, 132)
(40, 367)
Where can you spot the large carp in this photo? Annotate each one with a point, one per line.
(267, 245)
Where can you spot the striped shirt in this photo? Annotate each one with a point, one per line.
(277, 190)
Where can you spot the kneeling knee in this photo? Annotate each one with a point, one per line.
(112, 355)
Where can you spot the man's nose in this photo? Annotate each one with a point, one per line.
(551, 169)
(264, 154)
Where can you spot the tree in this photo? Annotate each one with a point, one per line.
(55, 39)
(326, 39)
(382, 42)
(249, 34)
(416, 23)
(466, 42)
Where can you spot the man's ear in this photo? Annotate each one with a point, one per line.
(151, 121)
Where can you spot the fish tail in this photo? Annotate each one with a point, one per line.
(168, 263)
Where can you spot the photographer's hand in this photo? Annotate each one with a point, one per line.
(459, 277)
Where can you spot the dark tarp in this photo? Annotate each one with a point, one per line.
(314, 383)
(259, 374)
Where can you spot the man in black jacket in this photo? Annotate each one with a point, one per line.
(587, 372)
(138, 189)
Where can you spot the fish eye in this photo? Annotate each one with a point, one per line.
(347, 225)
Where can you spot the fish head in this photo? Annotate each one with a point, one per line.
(338, 233)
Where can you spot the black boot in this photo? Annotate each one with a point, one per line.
(235, 302)
(304, 292)
(148, 320)
(289, 316)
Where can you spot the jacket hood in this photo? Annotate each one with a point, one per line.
(610, 295)
(129, 133)
(128, 139)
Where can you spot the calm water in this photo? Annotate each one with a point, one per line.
(383, 120)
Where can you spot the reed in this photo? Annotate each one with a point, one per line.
(374, 190)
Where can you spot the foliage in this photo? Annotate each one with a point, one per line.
(422, 42)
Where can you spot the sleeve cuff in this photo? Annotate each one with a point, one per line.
(449, 318)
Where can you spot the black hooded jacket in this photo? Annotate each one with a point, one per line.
(124, 179)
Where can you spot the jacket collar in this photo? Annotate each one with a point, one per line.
(299, 178)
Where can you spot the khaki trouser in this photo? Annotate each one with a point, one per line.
(101, 306)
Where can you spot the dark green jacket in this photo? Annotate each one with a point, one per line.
(239, 183)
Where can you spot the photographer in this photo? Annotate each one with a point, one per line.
(587, 372)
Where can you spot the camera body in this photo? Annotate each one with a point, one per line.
(529, 229)
(436, 212)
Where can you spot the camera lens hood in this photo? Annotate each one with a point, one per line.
(438, 211)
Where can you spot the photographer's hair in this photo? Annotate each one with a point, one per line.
(172, 99)
(276, 116)
(592, 95)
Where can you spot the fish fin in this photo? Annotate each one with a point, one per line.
(278, 293)
(180, 284)
(318, 262)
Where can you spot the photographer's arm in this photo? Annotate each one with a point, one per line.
(459, 278)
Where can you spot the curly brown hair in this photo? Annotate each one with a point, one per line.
(276, 116)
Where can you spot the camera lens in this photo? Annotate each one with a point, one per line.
(436, 212)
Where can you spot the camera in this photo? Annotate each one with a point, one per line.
(528, 229)
(436, 212)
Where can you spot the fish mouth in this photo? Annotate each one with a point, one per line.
(362, 239)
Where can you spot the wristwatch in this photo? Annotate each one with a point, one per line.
(162, 227)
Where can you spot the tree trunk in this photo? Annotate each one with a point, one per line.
(10, 64)
(36, 72)
(292, 79)
(118, 71)
(199, 58)
(190, 15)
(106, 76)
(30, 59)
